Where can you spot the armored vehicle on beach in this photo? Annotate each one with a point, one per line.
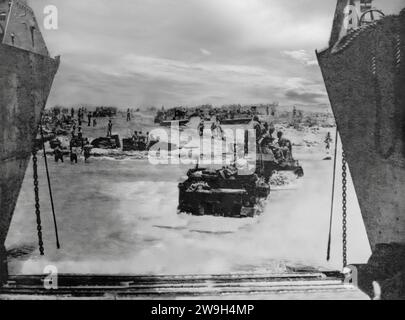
(105, 112)
(130, 144)
(112, 142)
(173, 116)
(267, 166)
(222, 193)
(227, 192)
(233, 121)
(169, 123)
(271, 157)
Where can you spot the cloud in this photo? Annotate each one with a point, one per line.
(189, 83)
(305, 91)
(305, 97)
(197, 51)
(302, 56)
(205, 52)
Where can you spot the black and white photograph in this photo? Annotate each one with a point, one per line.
(202, 150)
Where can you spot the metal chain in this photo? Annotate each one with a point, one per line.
(37, 206)
(344, 207)
(398, 52)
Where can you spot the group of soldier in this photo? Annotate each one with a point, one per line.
(216, 129)
(139, 137)
(91, 119)
(280, 148)
(78, 144)
(76, 147)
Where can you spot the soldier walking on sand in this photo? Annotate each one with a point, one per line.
(128, 115)
(201, 128)
(89, 119)
(328, 141)
(109, 129)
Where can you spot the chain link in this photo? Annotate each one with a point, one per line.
(344, 207)
(37, 206)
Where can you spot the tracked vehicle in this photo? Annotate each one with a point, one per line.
(227, 192)
(267, 166)
(222, 192)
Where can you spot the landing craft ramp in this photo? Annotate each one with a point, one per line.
(297, 285)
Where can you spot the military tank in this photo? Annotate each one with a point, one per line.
(267, 166)
(222, 192)
(273, 158)
(229, 193)
(131, 144)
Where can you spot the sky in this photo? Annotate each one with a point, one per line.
(138, 53)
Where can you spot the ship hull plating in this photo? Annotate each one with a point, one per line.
(26, 79)
(365, 83)
(364, 76)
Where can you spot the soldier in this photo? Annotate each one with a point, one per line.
(328, 141)
(201, 127)
(259, 131)
(216, 129)
(141, 136)
(87, 149)
(266, 142)
(58, 153)
(147, 138)
(89, 119)
(285, 145)
(135, 136)
(109, 128)
(73, 152)
(128, 115)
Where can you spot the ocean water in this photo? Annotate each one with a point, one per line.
(120, 217)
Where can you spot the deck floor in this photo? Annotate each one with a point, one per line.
(312, 286)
